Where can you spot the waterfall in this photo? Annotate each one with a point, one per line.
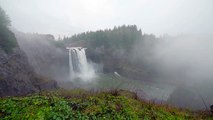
(70, 62)
(79, 67)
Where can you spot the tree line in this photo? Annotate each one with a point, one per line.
(121, 37)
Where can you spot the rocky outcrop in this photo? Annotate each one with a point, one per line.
(44, 83)
(17, 76)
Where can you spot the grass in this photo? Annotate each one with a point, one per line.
(84, 105)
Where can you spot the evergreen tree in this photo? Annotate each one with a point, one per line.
(7, 38)
(121, 37)
(4, 19)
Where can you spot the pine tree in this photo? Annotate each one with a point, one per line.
(7, 38)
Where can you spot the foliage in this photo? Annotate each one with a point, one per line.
(4, 19)
(61, 105)
(121, 37)
(7, 38)
(116, 48)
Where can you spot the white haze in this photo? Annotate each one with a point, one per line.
(67, 17)
(185, 61)
(187, 58)
(181, 58)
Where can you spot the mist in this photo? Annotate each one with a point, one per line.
(185, 61)
(185, 56)
(47, 59)
(161, 50)
(68, 17)
(189, 57)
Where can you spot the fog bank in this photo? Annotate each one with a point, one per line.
(185, 61)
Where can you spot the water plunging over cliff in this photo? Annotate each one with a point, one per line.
(79, 67)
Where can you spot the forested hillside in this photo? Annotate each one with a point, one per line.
(114, 49)
(122, 37)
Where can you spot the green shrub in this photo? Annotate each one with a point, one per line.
(99, 106)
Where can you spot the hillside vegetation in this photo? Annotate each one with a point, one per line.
(114, 49)
(85, 105)
(122, 37)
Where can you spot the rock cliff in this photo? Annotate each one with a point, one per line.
(17, 77)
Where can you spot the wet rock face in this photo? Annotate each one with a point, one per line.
(16, 76)
(211, 108)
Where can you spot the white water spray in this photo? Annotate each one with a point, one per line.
(79, 67)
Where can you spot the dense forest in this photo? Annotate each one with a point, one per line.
(115, 49)
(121, 37)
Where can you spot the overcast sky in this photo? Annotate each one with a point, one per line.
(67, 17)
